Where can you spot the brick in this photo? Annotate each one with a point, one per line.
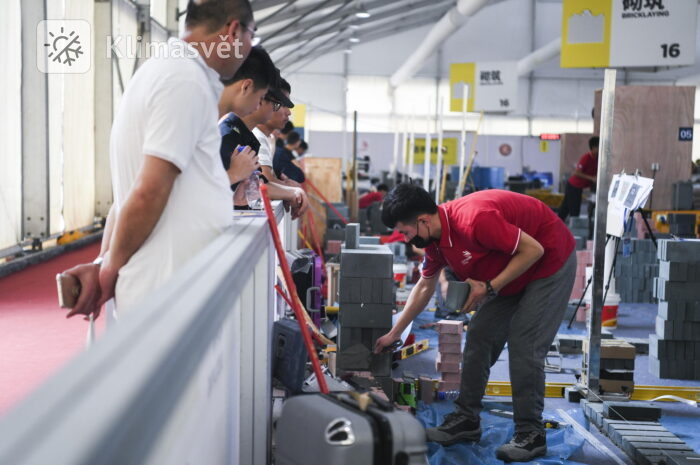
(450, 327)
(427, 394)
(449, 338)
(451, 377)
(451, 357)
(613, 348)
(631, 411)
(443, 366)
(450, 348)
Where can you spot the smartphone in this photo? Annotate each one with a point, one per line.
(68, 290)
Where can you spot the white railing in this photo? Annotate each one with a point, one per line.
(183, 379)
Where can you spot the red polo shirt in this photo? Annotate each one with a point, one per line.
(369, 198)
(481, 231)
(588, 164)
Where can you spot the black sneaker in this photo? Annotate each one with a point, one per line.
(455, 428)
(523, 447)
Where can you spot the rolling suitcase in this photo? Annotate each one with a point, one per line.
(332, 429)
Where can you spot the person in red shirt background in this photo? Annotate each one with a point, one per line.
(584, 176)
(377, 196)
(519, 259)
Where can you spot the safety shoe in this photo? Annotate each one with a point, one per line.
(456, 427)
(523, 447)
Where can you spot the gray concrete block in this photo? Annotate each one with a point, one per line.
(375, 262)
(352, 236)
(631, 411)
(687, 250)
(368, 240)
(365, 316)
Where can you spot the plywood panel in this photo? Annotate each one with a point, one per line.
(326, 175)
(572, 147)
(645, 131)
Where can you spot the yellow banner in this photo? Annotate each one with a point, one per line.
(449, 151)
(299, 115)
(586, 33)
(544, 146)
(460, 74)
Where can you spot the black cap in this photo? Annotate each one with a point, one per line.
(278, 96)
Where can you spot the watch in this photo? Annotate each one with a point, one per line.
(490, 291)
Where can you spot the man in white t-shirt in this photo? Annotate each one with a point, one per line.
(264, 131)
(171, 193)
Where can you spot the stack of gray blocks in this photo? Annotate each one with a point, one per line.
(635, 274)
(674, 351)
(682, 197)
(646, 442)
(366, 301)
(682, 224)
(578, 225)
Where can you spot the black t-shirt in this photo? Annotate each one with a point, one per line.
(234, 132)
(282, 164)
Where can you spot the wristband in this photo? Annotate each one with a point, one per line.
(98, 261)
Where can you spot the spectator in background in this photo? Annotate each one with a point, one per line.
(584, 176)
(281, 134)
(302, 149)
(265, 131)
(284, 163)
(171, 195)
(242, 96)
(376, 196)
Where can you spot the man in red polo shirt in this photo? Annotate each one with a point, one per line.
(584, 176)
(519, 259)
(370, 197)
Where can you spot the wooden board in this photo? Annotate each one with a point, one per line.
(645, 131)
(326, 175)
(573, 145)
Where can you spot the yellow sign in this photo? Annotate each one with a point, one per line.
(449, 154)
(299, 115)
(544, 146)
(462, 73)
(586, 31)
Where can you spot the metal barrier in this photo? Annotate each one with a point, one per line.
(183, 379)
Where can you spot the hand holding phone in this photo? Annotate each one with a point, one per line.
(68, 290)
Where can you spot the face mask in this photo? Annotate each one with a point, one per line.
(419, 242)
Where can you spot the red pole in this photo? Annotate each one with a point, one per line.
(323, 387)
(335, 210)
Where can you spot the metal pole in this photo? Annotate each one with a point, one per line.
(603, 185)
(463, 140)
(427, 151)
(438, 170)
(404, 149)
(412, 147)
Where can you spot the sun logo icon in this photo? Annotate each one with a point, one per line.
(65, 45)
(61, 45)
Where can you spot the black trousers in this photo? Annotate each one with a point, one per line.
(571, 206)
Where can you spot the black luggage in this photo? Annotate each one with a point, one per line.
(332, 429)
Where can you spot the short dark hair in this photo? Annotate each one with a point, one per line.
(259, 68)
(593, 142)
(405, 203)
(304, 145)
(213, 14)
(293, 137)
(289, 127)
(382, 187)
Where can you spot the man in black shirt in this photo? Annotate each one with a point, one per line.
(283, 162)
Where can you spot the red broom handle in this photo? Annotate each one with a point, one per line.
(335, 210)
(323, 387)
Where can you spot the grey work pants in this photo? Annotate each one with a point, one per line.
(528, 321)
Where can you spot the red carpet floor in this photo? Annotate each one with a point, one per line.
(36, 339)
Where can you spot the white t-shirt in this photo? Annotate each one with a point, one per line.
(169, 110)
(265, 153)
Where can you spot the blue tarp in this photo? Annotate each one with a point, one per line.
(496, 430)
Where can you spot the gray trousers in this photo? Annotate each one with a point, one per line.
(528, 321)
